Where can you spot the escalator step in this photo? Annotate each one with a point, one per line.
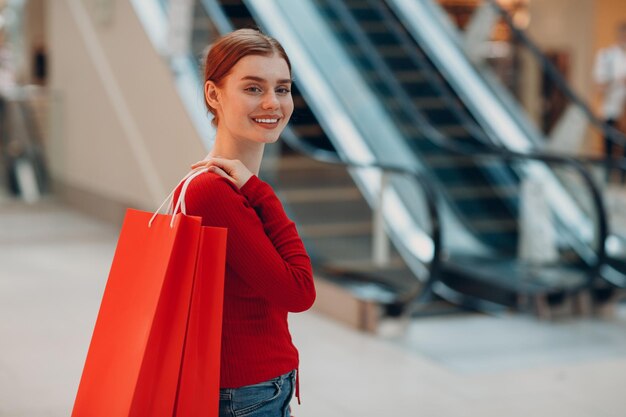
(461, 193)
(456, 176)
(365, 14)
(486, 226)
(424, 88)
(455, 131)
(332, 176)
(452, 131)
(357, 4)
(308, 130)
(353, 248)
(478, 208)
(373, 27)
(425, 103)
(394, 279)
(440, 116)
(312, 195)
(391, 51)
(432, 102)
(327, 212)
(360, 10)
(334, 230)
(411, 76)
(432, 109)
(382, 37)
(399, 63)
(447, 160)
(517, 277)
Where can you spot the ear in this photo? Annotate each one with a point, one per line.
(211, 94)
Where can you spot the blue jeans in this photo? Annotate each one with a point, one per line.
(266, 399)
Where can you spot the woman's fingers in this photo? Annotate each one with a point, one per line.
(226, 164)
(221, 173)
(232, 169)
(213, 166)
(200, 164)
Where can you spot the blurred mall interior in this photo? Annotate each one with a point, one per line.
(446, 166)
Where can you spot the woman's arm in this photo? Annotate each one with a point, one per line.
(263, 246)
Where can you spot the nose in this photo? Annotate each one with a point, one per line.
(270, 101)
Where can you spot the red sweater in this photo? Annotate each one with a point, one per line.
(268, 274)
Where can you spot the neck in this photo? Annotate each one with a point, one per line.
(249, 153)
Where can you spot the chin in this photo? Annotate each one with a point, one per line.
(269, 141)
(270, 138)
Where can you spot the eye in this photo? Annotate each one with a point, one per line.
(283, 90)
(253, 89)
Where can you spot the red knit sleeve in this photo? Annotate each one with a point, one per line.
(263, 246)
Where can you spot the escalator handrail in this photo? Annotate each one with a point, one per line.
(610, 132)
(602, 229)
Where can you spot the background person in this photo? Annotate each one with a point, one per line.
(610, 76)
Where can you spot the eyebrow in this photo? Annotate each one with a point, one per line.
(261, 80)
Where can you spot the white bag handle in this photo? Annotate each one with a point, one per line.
(181, 198)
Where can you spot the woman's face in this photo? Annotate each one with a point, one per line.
(254, 102)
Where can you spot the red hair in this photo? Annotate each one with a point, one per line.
(227, 50)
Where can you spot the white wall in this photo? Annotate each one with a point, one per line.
(113, 116)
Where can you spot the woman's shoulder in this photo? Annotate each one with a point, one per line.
(211, 183)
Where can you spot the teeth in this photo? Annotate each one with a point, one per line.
(266, 120)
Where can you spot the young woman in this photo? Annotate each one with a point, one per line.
(268, 272)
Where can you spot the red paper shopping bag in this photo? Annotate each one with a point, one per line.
(160, 315)
(198, 391)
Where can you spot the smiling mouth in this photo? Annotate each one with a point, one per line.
(266, 121)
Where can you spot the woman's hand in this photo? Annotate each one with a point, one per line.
(231, 169)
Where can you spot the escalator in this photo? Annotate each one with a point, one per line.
(564, 118)
(559, 118)
(482, 193)
(420, 99)
(365, 90)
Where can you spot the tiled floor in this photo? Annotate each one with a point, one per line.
(54, 264)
